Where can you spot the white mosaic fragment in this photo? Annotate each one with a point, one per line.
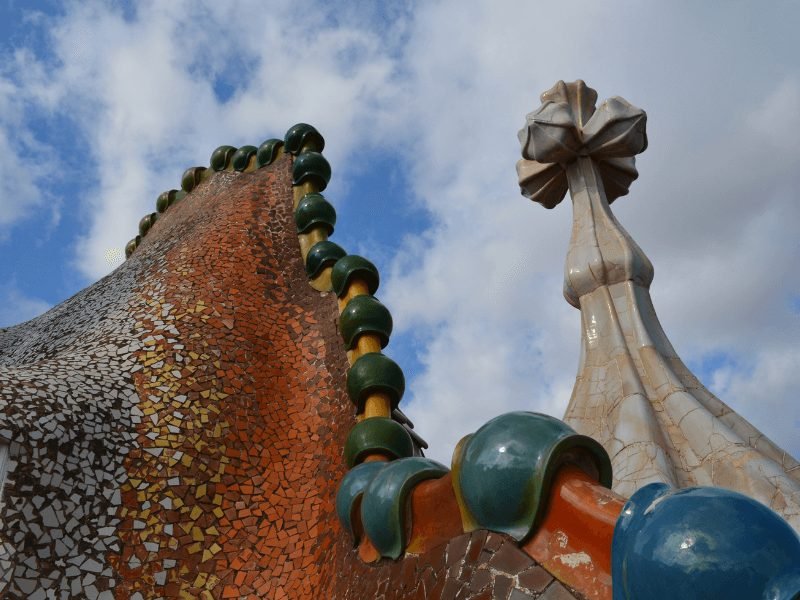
(91, 592)
(68, 377)
(39, 594)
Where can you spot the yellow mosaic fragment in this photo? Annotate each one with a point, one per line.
(194, 548)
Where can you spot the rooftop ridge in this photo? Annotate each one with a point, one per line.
(356, 279)
(229, 158)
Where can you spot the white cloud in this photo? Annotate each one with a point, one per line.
(16, 307)
(711, 208)
(19, 194)
(141, 91)
(777, 119)
(445, 88)
(762, 392)
(23, 166)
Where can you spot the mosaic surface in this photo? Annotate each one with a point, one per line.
(180, 430)
(476, 566)
(176, 429)
(68, 403)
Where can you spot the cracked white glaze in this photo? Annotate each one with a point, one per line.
(633, 393)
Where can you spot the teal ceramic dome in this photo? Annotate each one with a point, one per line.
(385, 506)
(351, 489)
(505, 469)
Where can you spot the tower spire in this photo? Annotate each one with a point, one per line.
(633, 393)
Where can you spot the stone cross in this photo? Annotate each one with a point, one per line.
(570, 144)
(633, 393)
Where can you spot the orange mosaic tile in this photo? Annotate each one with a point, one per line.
(574, 539)
(238, 393)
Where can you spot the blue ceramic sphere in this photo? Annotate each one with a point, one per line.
(702, 543)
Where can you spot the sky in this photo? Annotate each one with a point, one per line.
(104, 104)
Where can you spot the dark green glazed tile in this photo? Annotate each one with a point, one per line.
(377, 435)
(162, 202)
(268, 151)
(354, 266)
(146, 223)
(375, 372)
(365, 314)
(191, 177)
(221, 157)
(313, 167)
(321, 255)
(302, 136)
(242, 157)
(384, 511)
(314, 210)
(351, 489)
(130, 247)
(167, 199)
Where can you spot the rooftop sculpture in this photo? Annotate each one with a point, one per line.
(217, 418)
(633, 393)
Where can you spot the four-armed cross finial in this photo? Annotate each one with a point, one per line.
(567, 127)
(568, 144)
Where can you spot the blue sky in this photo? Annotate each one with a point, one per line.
(102, 106)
